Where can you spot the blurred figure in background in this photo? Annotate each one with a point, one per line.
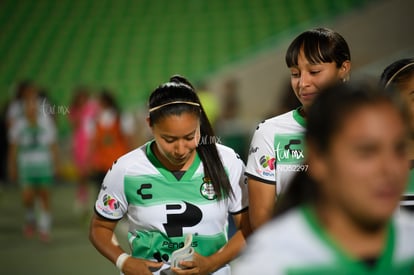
(287, 101)
(3, 146)
(317, 58)
(32, 162)
(111, 138)
(229, 126)
(399, 77)
(230, 129)
(338, 216)
(14, 111)
(15, 108)
(82, 115)
(210, 102)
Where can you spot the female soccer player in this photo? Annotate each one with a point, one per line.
(338, 216)
(180, 183)
(399, 77)
(316, 58)
(33, 163)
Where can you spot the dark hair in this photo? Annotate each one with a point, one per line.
(325, 119)
(108, 99)
(23, 86)
(179, 89)
(80, 93)
(320, 45)
(397, 73)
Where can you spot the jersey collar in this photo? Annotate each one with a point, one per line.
(384, 261)
(299, 119)
(167, 173)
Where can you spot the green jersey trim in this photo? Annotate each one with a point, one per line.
(299, 119)
(410, 185)
(167, 173)
(358, 267)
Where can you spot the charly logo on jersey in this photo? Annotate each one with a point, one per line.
(143, 192)
(110, 202)
(289, 149)
(207, 189)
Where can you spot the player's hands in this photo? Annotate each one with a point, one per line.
(200, 265)
(134, 266)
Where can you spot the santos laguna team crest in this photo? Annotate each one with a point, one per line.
(207, 189)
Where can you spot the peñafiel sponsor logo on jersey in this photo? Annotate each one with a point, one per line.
(176, 245)
(289, 148)
(207, 189)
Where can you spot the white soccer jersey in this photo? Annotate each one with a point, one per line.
(296, 244)
(277, 150)
(161, 210)
(34, 155)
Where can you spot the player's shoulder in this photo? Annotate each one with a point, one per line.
(45, 120)
(227, 152)
(273, 123)
(131, 160)
(18, 126)
(404, 227)
(293, 228)
(291, 219)
(404, 220)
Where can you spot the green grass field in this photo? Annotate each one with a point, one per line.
(69, 252)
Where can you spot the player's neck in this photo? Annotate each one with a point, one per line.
(359, 240)
(170, 166)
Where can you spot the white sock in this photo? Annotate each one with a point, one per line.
(45, 222)
(30, 216)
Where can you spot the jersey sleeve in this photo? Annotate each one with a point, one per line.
(50, 129)
(261, 160)
(238, 182)
(111, 202)
(14, 132)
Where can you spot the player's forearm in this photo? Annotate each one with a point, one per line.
(260, 217)
(262, 199)
(228, 252)
(102, 238)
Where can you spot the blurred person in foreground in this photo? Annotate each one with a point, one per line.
(399, 77)
(339, 216)
(33, 163)
(181, 183)
(317, 58)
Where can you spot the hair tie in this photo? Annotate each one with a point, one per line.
(174, 102)
(396, 73)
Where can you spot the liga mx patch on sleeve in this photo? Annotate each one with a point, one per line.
(108, 206)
